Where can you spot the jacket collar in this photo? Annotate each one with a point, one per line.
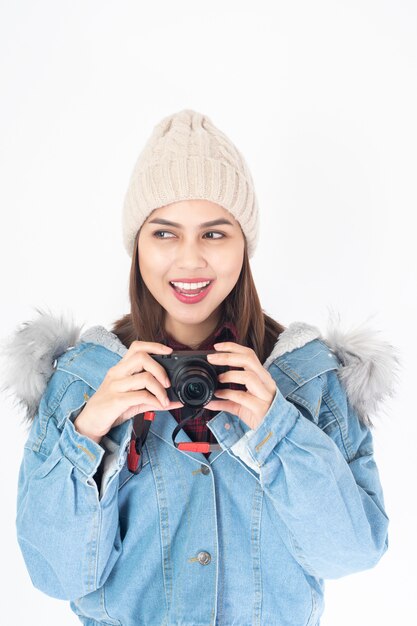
(367, 365)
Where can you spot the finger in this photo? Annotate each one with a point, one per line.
(253, 383)
(145, 398)
(143, 380)
(232, 347)
(140, 361)
(242, 398)
(171, 405)
(233, 407)
(148, 346)
(249, 361)
(221, 405)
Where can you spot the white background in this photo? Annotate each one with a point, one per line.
(321, 98)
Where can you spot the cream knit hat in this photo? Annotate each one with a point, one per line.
(187, 157)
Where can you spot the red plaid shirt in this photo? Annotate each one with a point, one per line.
(196, 428)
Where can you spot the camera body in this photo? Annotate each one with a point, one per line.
(193, 379)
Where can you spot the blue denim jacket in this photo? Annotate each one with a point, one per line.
(246, 537)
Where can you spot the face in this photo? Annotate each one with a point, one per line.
(190, 250)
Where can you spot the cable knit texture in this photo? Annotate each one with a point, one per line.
(187, 157)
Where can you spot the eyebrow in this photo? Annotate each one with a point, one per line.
(160, 220)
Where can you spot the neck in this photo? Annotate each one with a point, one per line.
(191, 335)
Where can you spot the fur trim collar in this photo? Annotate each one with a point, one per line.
(369, 368)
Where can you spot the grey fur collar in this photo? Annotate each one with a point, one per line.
(368, 372)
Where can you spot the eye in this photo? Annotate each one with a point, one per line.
(157, 232)
(215, 232)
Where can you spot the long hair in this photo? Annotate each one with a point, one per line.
(241, 306)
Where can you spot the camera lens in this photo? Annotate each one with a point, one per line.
(194, 382)
(195, 390)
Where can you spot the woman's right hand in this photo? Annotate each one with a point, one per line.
(137, 383)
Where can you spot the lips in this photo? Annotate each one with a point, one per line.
(190, 291)
(194, 296)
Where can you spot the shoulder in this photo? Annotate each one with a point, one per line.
(354, 366)
(39, 348)
(77, 373)
(64, 396)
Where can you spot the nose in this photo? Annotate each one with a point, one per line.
(190, 256)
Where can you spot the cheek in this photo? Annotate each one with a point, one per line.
(151, 261)
(228, 264)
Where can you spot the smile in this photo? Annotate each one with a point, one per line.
(191, 296)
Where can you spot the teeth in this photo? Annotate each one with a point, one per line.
(185, 286)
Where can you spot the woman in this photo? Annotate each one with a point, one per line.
(240, 515)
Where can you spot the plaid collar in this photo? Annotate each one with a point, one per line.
(226, 332)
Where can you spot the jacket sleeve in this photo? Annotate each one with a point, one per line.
(323, 484)
(68, 533)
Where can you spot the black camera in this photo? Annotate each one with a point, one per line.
(193, 379)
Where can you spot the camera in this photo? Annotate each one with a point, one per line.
(193, 379)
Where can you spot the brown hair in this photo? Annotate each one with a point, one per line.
(241, 307)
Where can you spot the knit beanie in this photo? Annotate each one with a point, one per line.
(187, 157)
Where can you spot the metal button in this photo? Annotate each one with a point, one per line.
(205, 469)
(227, 426)
(55, 363)
(204, 558)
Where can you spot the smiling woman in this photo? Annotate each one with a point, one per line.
(190, 178)
(276, 468)
(191, 253)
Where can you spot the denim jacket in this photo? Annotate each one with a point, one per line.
(244, 538)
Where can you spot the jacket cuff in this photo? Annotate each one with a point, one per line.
(240, 449)
(277, 422)
(86, 454)
(83, 452)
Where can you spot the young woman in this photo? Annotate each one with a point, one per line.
(238, 516)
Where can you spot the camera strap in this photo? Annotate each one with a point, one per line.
(192, 446)
(142, 423)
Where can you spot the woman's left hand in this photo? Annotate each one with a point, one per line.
(252, 405)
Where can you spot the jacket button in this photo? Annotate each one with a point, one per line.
(205, 469)
(204, 558)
